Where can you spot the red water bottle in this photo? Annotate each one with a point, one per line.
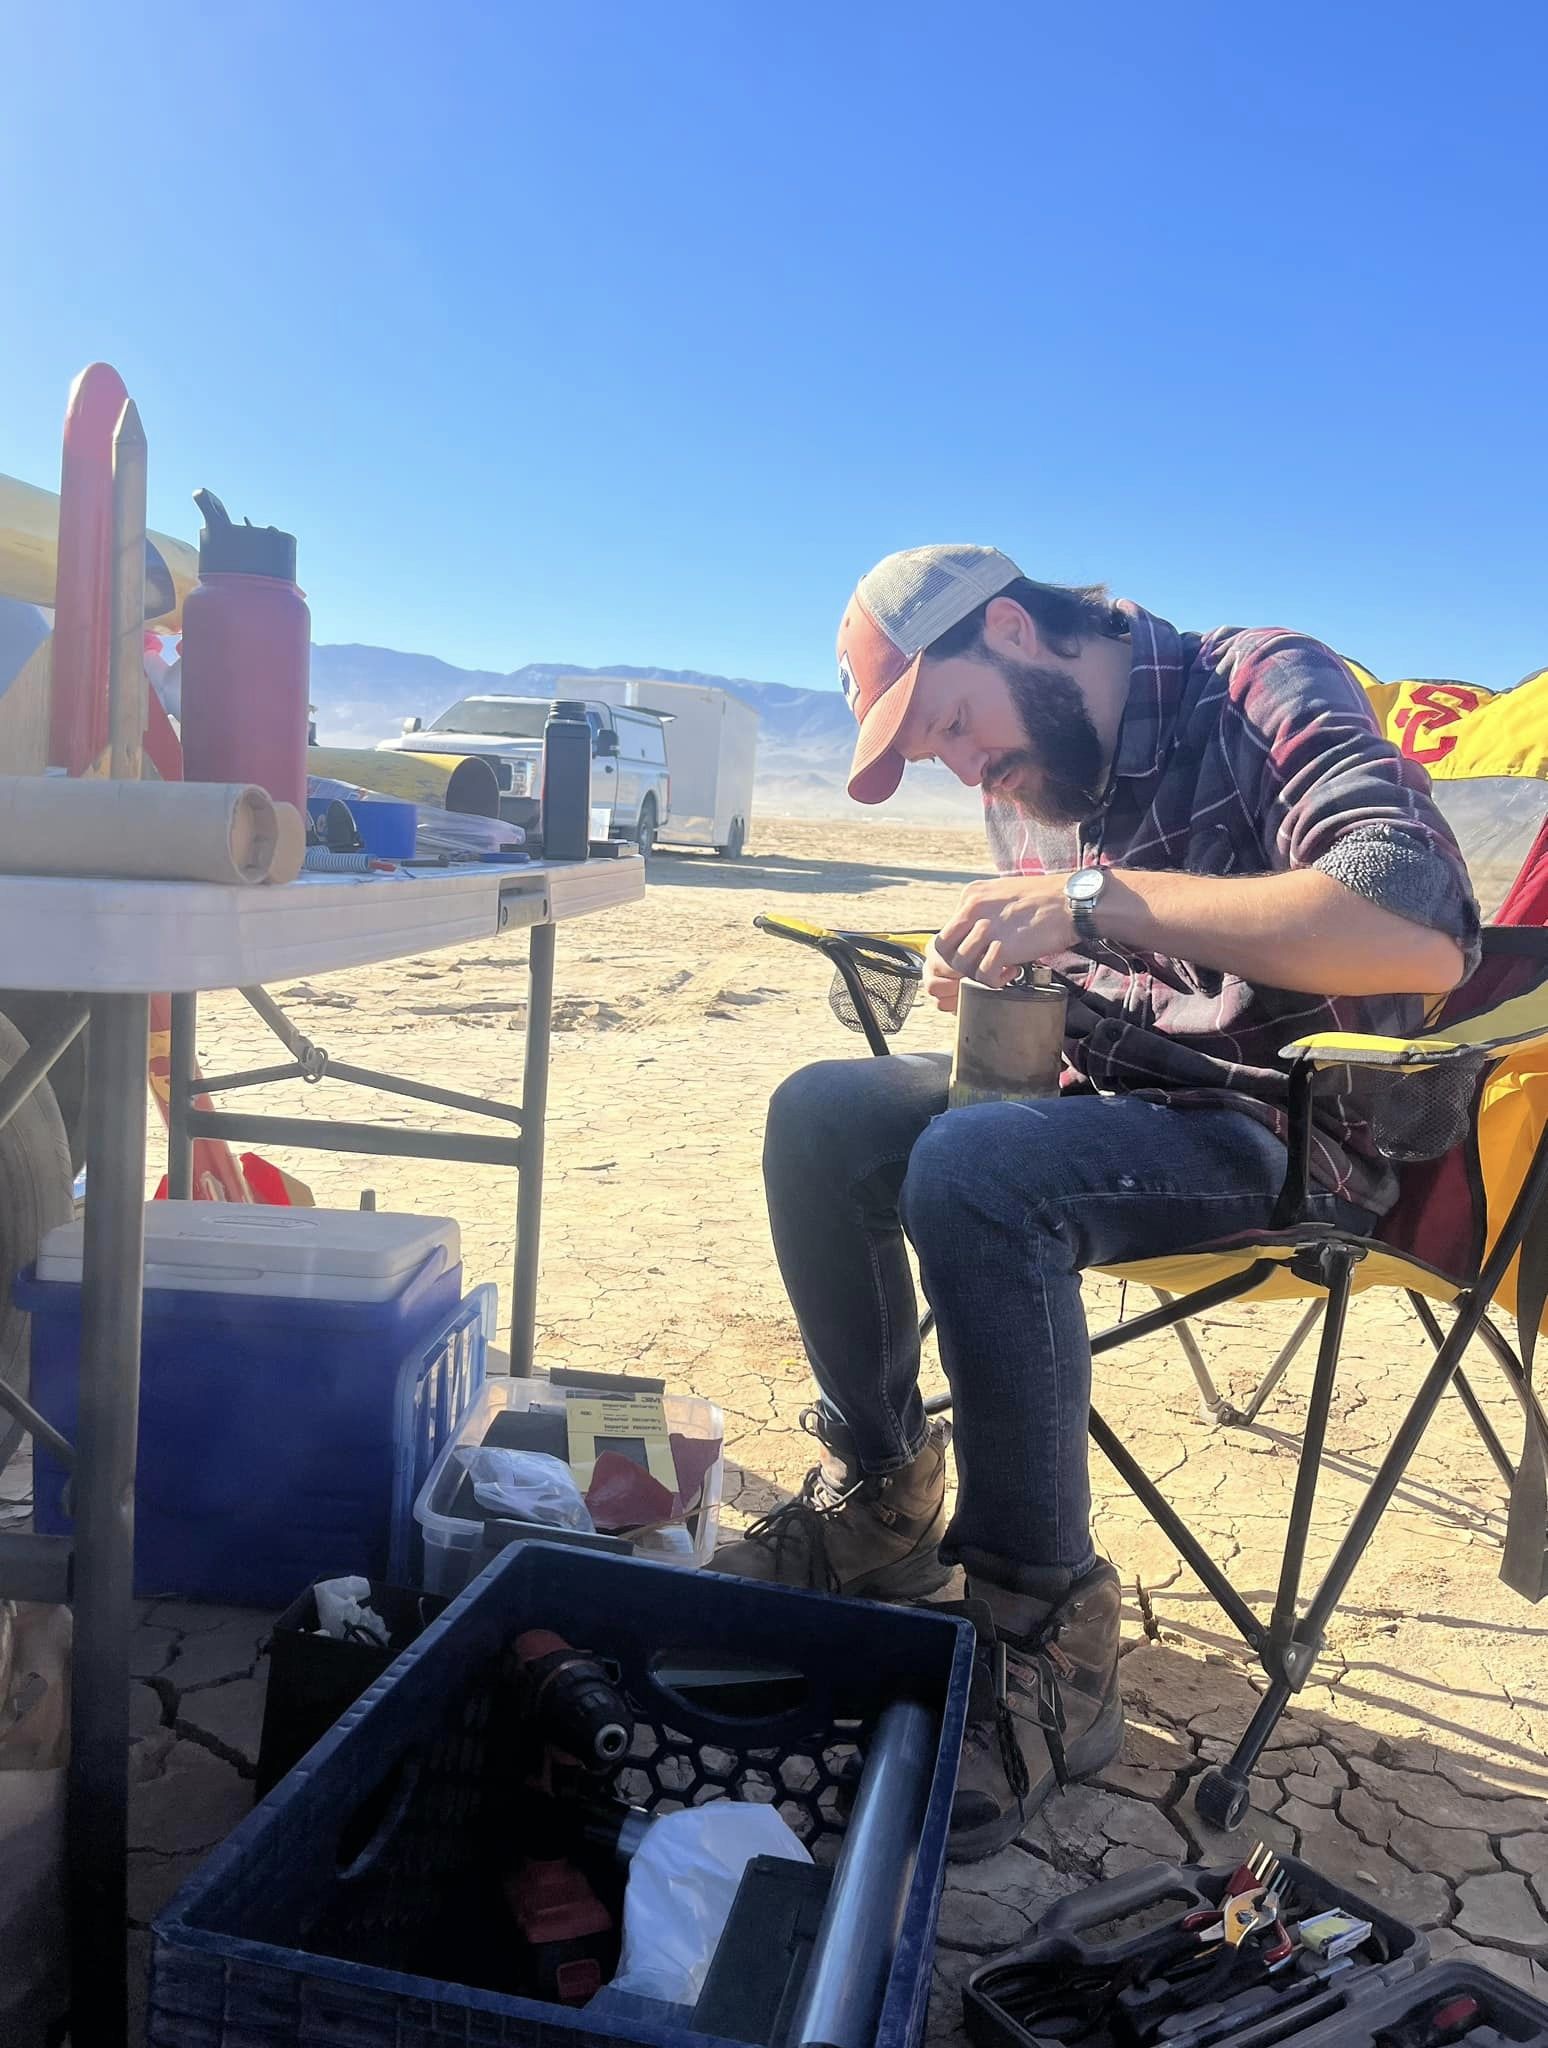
(246, 659)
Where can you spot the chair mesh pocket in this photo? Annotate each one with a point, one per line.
(890, 991)
(1419, 1114)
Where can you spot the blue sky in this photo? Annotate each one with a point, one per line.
(633, 330)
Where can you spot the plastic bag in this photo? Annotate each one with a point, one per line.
(342, 1612)
(34, 1748)
(682, 1886)
(528, 1486)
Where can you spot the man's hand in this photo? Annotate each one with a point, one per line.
(940, 981)
(1002, 926)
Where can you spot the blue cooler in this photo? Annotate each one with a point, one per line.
(280, 1357)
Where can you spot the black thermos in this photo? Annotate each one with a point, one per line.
(566, 799)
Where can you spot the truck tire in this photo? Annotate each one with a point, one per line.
(736, 841)
(645, 830)
(36, 1185)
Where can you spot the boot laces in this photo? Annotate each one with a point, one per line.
(807, 1512)
(1040, 1665)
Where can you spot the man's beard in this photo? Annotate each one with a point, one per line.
(1056, 777)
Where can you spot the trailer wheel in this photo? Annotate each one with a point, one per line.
(736, 842)
(35, 1194)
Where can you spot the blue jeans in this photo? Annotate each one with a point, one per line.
(1005, 1204)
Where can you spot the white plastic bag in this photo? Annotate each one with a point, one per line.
(682, 1886)
(34, 1747)
(529, 1486)
(343, 1613)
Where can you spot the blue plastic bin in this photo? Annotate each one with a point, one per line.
(308, 1924)
(279, 1438)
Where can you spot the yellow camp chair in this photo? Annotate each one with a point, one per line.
(1465, 1114)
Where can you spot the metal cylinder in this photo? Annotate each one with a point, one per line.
(1010, 1043)
(842, 1998)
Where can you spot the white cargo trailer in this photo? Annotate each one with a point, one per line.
(712, 749)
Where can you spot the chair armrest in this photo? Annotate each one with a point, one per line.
(1510, 1026)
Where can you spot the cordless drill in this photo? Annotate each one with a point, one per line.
(579, 1728)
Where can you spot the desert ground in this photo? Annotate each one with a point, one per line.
(1415, 1763)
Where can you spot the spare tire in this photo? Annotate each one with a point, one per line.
(36, 1186)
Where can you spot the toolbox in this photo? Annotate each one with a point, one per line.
(1109, 1968)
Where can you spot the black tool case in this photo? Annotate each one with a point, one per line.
(1058, 1990)
(1397, 2017)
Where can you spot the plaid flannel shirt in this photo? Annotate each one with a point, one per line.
(1246, 753)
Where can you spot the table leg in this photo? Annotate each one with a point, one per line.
(529, 1181)
(106, 1442)
(180, 1063)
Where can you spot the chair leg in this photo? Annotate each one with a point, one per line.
(1429, 1322)
(1510, 1365)
(1212, 1403)
(1283, 1362)
(1338, 1263)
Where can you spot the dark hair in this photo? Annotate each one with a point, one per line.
(1064, 614)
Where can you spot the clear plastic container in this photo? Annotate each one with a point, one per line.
(454, 1547)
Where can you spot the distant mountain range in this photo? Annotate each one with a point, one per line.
(363, 694)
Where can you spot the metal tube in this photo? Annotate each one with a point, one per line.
(1181, 1307)
(311, 1134)
(1430, 1324)
(1176, 1531)
(250, 1077)
(180, 1064)
(1210, 1397)
(36, 1426)
(1283, 1362)
(529, 1185)
(842, 1998)
(128, 689)
(113, 1266)
(294, 1042)
(40, 1057)
(419, 1091)
(1472, 1311)
(1338, 1264)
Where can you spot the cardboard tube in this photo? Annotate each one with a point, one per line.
(1010, 1043)
(290, 845)
(144, 831)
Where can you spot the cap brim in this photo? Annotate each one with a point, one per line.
(877, 767)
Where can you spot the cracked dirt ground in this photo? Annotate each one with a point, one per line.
(1415, 1763)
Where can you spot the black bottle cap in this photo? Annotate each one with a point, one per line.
(568, 708)
(246, 550)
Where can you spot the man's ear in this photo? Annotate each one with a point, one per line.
(1010, 630)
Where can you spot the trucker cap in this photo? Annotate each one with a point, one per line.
(900, 608)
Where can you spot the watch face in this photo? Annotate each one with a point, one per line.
(1085, 885)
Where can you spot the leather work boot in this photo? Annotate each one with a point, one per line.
(870, 1538)
(1045, 1707)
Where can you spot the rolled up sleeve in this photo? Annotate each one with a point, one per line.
(1333, 794)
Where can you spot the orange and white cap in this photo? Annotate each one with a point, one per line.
(899, 609)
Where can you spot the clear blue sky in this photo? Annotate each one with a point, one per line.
(633, 330)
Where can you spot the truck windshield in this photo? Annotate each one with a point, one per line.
(509, 718)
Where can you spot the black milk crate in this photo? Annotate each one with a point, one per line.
(333, 1912)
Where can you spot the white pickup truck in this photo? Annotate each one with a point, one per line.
(631, 785)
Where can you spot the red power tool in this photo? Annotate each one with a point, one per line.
(579, 1726)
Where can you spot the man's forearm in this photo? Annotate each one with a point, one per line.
(1300, 931)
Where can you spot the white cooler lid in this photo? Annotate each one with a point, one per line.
(234, 1248)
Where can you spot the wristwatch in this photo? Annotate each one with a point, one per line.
(1083, 892)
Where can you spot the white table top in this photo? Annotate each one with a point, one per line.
(177, 938)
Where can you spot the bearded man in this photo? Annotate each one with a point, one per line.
(1209, 838)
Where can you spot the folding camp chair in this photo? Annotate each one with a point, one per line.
(1463, 1112)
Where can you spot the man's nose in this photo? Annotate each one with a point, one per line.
(967, 763)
